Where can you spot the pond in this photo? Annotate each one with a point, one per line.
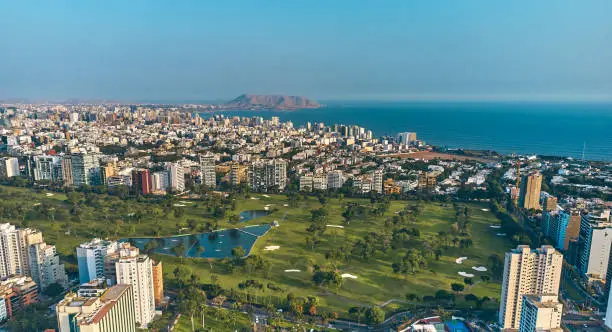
(217, 244)
(252, 214)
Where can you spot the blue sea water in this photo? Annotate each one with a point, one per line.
(560, 129)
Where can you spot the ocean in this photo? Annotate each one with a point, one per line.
(555, 129)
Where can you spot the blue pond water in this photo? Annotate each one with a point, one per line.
(252, 214)
(217, 244)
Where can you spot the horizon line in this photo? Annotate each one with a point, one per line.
(518, 98)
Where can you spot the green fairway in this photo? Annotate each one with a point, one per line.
(375, 282)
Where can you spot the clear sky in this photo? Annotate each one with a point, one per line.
(331, 49)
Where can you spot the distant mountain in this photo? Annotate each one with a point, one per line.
(276, 102)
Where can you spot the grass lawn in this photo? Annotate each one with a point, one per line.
(242, 323)
(376, 282)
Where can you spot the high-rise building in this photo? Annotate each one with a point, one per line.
(14, 245)
(406, 138)
(108, 170)
(335, 179)
(550, 203)
(530, 191)
(67, 172)
(141, 181)
(527, 272)
(45, 266)
(90, 257)
(319, 182)
(207, 169)
(268, 175)
(110, 312)
(46, 168)
(377, 182)
(159, 182)
(85, 169)
(9, 167)
(176, 175)
(158, 282)
(561, 226)
(27, 238)
(595, 239)
(541, 313)
(306, 182)
(238, 174)
(137, 270)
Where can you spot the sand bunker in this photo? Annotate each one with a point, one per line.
(49, 194)
(464, 274)
(255, 198)
(285, 205)
(479, 268)
(266, 196)
(485, 210)
(348, 275)
(266, 208)
(335, 226)
(460, 260)
(293, 271)
(271, 248)
(501, 234)
(495, 226)
(179, 205)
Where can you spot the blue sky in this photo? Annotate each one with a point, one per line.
(340, 49)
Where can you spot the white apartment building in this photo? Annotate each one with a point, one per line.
(527, 272)
(14, 244)
(84, 168)
(136, 270)
(47, 168)
(207, 168)
(112, 311)
(159, 181)
(45, 266)
(319, 182)
(9, 167)
(265, 175)
(335, 179)
(306, 182)
(541, 313)
(377, 182)
(596, 235)
(90, 257)
(176, 175)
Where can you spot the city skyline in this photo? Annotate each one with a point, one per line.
(548, 50)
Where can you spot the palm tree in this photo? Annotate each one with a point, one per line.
(202, 311)
(179, 250)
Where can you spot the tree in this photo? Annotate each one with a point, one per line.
(238, 252)
(375, 315)
(468, 281)
(357, 313)
(150, 246)
(54, 290)
(179, 250)
(181, 273)
(457, 287)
